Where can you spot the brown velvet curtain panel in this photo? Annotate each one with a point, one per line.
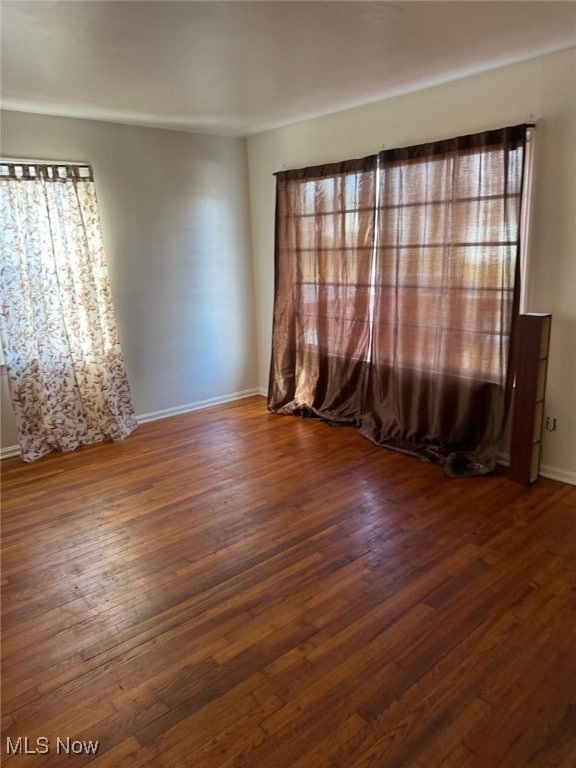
(397, 284)
(325, 219)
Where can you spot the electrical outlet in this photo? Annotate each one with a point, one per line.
(550, 423)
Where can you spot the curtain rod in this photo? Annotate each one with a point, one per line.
(30, 161)
(531, 126)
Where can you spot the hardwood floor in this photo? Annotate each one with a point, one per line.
(232, 588)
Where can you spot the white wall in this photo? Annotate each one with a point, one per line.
(544, 89)
(174, 210)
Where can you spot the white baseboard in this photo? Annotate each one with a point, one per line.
(196, 406)
(9, 452)
(553, 473)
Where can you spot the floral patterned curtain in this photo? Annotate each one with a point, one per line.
(65, 367)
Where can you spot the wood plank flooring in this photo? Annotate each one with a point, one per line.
(236, 589)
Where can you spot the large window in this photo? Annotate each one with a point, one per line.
(448, 228)
(423, 264)
(395, 274)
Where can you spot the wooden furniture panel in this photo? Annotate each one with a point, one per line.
(531, 365)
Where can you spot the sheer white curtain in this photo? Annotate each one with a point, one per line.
(66, 372)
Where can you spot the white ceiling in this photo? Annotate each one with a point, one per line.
(236, 68)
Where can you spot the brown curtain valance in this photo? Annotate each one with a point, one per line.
(514, 136)
(396, 289)
(330, 169)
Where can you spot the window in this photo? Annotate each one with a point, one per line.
(448, 229)
(416, 273)
(397, 284)
(328, 223)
